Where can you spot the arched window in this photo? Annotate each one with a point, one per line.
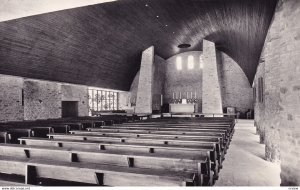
(190, 62)
(179, 63)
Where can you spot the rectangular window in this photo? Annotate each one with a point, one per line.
(100, 100)
(201, 62)
(179, 63)
(190, 62)
(260, 89)
(254, 94)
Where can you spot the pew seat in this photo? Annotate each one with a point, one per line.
(90, 173)
(197, 164)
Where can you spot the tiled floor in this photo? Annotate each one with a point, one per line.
(244, 163)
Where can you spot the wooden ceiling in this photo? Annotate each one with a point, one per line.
(101, 45)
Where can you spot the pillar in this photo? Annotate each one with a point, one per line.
(211, 92)
(144, 91)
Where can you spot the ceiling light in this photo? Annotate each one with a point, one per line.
(184, 45)
(146, 5)
(157, 16)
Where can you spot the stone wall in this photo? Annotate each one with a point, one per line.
(282, 91)
(211, 91)
(259, 107)
(185, 80)
(235, 87)
(144, 93)
(158, 73)
(76, 93)
(42, 99)
(158, 81)
(11, 107)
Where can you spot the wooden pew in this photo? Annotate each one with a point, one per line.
(161, 131)
(5, 137)
(224, 141)
(149, 138)
(159, 128)
(97, 174)
(217, 155)
(188, 150)
(198, 165)
(12, 134)
(28, 131)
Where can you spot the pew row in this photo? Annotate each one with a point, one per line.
(130, 147)
(90, 173)
(196, 164)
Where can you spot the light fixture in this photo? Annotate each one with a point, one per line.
(157, 16)
(146, 5)
(166, 25)
(184, 45)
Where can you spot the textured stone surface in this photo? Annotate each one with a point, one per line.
(159, 70)
(158, 79)
(145, 82)
(11, 98)
(235, 87)
(76, 93)
(184, 80)
(211, 92)
(42, 99)
(259, 107)
(282, 97)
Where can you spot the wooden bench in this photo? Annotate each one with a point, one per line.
(198, 165)
(191, 150)
(217, 155)
(4, 136)
(161, 131)
(224, 141)
(152, 138)
(90, 173)
(159, 128)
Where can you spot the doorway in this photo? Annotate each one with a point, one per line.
(69, 109)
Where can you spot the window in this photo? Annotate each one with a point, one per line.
(254, 94)
(101, 100)
(260, 89)
(179, 63)
(190, 62)
(201, 62)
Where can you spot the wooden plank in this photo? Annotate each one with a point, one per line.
(112, 175)
(174, 162)
(161, 131)
(191, 150)
(224, 141)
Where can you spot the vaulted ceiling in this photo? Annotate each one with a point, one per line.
(100, 45)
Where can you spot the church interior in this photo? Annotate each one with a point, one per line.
(150, 93)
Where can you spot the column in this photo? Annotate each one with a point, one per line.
(144, 92)
(211, 92)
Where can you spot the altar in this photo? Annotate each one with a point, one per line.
(182, 108)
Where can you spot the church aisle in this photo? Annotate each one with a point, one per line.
(244, 163)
